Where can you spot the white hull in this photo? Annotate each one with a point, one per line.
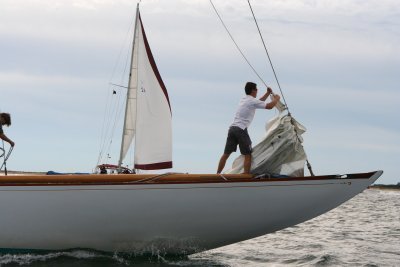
(174, 218)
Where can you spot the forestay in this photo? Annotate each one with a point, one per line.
(148, 111)
(281, 151)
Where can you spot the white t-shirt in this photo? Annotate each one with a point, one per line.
(245, 113)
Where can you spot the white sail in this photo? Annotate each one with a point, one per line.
(148, 112)
(281, 150)
(153, 144)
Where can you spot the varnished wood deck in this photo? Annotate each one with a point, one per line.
(167, 178)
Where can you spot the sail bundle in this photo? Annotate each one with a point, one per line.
(280, 151)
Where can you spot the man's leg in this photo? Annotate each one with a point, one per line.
(245, 150)
(230, 146)
(247, 163)
(222, 162)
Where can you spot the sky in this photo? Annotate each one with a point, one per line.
(338, 64)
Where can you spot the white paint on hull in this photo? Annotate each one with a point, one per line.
(176, 218)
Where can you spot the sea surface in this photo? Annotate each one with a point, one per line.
(364, 231)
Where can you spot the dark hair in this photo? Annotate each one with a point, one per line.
(250, 87)
(7, 118)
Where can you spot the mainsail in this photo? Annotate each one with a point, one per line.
(148, 111)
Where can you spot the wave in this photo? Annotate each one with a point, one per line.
(86, 257)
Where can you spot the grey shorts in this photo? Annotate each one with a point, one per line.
(237, 136)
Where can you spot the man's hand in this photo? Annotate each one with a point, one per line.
(267, 94)
(274, 101)
(12, 143)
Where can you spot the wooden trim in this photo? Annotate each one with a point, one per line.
(154, 179)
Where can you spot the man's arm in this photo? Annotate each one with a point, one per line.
(5, 138)
(266, 95)
(273, 103)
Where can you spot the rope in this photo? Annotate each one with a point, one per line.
(153, 178)
(277, 81)
(269, 58)
(237, 46)
(310, 168)
(112, 106)
(270, 62)
(5, 158)
(4, 161)
(223, 177)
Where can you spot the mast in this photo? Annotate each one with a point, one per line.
(129, 96)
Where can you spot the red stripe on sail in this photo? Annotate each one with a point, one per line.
(153, 64)
(154, 166)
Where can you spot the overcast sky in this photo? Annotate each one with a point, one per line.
(338, 63)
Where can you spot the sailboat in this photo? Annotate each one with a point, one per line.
(172, 212)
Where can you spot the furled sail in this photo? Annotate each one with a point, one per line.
(148, 111)
(281, 151)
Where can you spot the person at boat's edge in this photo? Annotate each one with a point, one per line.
(5, 119)
(237, 134)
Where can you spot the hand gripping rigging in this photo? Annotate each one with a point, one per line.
(269, 59)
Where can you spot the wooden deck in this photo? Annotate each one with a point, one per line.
(166, 178)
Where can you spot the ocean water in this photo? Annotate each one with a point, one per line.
(364, 231)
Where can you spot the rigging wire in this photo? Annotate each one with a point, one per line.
(277, 81)
(5, 158)
(269, 58)
(270, 61)
(237, 46)
(110, 108)
(118, 106)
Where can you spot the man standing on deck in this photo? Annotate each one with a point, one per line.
(5, 119)
(237, 134)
